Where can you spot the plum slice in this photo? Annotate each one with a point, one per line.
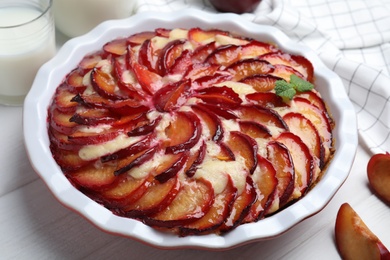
(213, 122)
(92, 177)
(304, 128)
(139, 38)
(297, 62)
(266, 99)
(62, 98)
(183, 132)
(200, 70)
(245, 146)
(116, 47)
(223, 96)
(262, 115)
(69, 159)
(123, 191)
(265, 183)
(157, 197)
(280, 157)
(285, 72)
(193, 201)
(240, 208)
(150, 81)
(216, 215)
(195, 160)
(105, 84)
(223, 112)
(256, 48)
(303, 161)
(249, 67)
(94, 117)
(378, 174)
(261, 83)
(168, 55)
(175, 165)
(354, 240)
(172, 96)
(319, 119)
(255, 129)
(61, 121)
(225, 55)
(147, 56)
(199, 36)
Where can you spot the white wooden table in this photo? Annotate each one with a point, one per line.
(33, 225)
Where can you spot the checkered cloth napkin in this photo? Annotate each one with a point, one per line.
(351, 37)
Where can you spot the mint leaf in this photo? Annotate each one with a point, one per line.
(299, 84)
(284, 89)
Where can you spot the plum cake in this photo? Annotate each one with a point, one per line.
(191, 131)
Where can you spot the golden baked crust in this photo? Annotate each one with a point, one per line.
(185, 131)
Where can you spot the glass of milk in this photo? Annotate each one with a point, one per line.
(27, 41)
(76, 17)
